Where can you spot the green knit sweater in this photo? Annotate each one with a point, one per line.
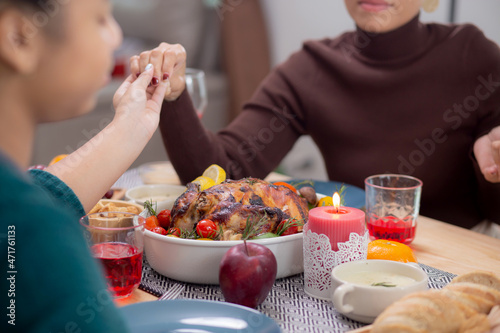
(50, 281)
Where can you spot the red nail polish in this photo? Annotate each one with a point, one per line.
(165, 76)
(155, 81)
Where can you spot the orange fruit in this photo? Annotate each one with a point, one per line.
(57, 159)
(390, 250)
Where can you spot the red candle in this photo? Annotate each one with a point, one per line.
(336, 222)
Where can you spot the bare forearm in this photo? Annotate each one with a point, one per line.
(94, 168)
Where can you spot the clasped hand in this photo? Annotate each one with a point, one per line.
(487, 153)
(139, 98)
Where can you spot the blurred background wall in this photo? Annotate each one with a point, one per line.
(236, 42)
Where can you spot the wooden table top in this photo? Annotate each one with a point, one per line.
(437, 244)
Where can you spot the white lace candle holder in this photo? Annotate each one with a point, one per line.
(331, 237)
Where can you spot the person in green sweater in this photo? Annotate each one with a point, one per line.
(54, 57)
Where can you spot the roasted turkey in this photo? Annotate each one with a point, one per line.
(234, 202)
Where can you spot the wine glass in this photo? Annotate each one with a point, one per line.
(197, 88)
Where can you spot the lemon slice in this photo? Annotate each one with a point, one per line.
(204, 182)
(325, 201)
(216, 173)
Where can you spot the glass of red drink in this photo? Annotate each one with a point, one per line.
(392, 206)
(116, 239)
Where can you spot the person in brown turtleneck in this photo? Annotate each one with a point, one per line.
(394, 96)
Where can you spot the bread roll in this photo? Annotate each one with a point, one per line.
(460, 307)
(479, 277)
(428, 311)
(481, 291)
(476, 303)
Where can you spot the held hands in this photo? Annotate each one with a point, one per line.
(157, 74)
(137, 102)
(487, 152)
(169, 62)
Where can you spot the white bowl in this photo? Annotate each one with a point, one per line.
(161, 193)
(198, 261)
(365, 302)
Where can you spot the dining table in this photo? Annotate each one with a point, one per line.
(442, 249)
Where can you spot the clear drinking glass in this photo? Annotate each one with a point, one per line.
(116, 239)
(392, 206)
(197, 88)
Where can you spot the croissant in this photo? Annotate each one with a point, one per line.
(461, 307)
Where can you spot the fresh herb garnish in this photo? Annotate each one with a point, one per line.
(299, 184)
(341, 193)
(189, 234)
(251, 181)
(148, 204)
(219, 235)
(383, 284)
(253, 226)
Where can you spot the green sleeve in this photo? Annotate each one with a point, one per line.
(50, 277)
(58, 190)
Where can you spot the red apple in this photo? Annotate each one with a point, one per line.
(247, 273)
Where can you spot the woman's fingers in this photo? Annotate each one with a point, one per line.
(173, 55)
(120, 92)
(144, 60)
(495, 147)
(484, 158)
(156, 59)
(169, 62)
(135, 67)
(144, 80)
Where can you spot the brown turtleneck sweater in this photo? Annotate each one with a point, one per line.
(410, 101)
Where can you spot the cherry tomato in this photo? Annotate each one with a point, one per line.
(152, 222)
(174, 232)
(160, 230)
(288, 227)
(206, 229)
(290, 231)
(286, 185)
(164, 218)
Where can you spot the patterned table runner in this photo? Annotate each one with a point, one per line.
(287, 303)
